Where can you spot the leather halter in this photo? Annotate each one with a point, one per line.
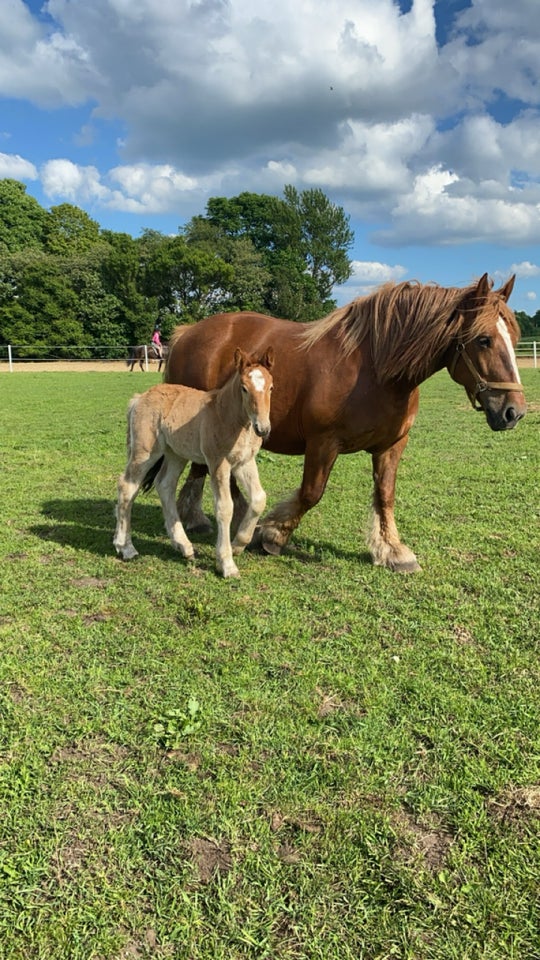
(480, 385)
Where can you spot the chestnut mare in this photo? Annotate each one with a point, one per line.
(349, 382)
(224, 429)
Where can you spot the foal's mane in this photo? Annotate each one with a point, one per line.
(409, 325)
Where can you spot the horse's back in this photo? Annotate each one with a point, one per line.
(202, 355)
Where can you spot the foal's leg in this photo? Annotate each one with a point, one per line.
(165, 484)
(248, 476)
(190, 501)
(223, 504)
(279, 524)
(128, 487)
(383, 540)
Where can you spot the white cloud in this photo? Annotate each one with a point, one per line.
(353, 97)
(367, 274)
(64, 179)
(11, 165)
(525, 269)
(530, 295)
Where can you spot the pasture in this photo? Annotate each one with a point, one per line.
(320, 761)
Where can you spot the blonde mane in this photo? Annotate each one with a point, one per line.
(410, 325)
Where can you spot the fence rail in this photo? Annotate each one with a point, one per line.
(12, 353)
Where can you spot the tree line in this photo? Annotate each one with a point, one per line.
(67, 283)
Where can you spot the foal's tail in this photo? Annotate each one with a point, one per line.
(151, 475)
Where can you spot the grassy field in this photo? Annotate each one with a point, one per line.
(319, 760)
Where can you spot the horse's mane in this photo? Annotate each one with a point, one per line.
(409, 325)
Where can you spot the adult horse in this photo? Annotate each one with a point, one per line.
(142, 352)
(350, 381)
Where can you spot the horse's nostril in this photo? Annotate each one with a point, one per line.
(510, 414)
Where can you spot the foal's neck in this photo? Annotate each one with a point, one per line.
(229, 403)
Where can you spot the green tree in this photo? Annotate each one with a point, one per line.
(70, 231)
(187, 281)
(303, 240)
(22, 219)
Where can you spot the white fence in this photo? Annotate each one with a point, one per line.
(50, 353)
(526, 350)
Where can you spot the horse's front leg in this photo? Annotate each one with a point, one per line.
(386, 548)
(248, 476)
(190, 501)
(220, 477)
(279, 524)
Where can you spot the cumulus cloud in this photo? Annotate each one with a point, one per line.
(526, 269)
(367, 274)
(11, 165)
(354, 97)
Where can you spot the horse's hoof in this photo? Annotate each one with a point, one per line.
(200, 528)
(269, 546)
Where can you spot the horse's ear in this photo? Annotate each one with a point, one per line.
(268, 359)
(506, 290)
(475, 297)
(483, 288)
(239, 359)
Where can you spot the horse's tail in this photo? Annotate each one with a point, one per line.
(151, 475)
(130, 356)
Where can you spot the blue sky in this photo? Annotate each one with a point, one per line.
(420, 118)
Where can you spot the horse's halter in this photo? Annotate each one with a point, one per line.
(480, 385)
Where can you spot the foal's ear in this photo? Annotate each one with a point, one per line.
(239, 359)
(506, 290)
(268, 359)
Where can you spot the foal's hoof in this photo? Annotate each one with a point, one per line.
(406, 566)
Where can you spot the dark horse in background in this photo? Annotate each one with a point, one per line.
(350, 381)
(138, 355)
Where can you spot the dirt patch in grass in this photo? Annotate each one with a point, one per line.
(516, 805)
(429, 840)
(209, 857)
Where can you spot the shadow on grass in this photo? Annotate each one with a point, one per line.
(89, 524)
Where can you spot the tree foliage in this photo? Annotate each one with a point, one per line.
(67, 286)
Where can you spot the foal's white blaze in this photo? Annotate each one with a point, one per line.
(257, 380)
(503, 330)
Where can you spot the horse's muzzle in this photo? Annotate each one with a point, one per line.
(262, 431)
(505, 415)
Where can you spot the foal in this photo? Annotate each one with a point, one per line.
(223, 429)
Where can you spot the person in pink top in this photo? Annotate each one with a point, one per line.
(156, 342)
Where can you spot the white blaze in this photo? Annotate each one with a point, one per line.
(257, 380)
(503, 330)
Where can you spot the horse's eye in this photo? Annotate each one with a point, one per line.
(484, 341)
(244, 389)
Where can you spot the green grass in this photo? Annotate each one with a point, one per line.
(320, 760)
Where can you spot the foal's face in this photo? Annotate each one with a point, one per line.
(256, 385)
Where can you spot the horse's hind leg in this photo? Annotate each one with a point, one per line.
(190, 501)
(386, 548)
(128, 487)
(165, 484)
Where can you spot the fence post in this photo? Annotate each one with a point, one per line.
(10, 358)
(534, 354)
(146, 358)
